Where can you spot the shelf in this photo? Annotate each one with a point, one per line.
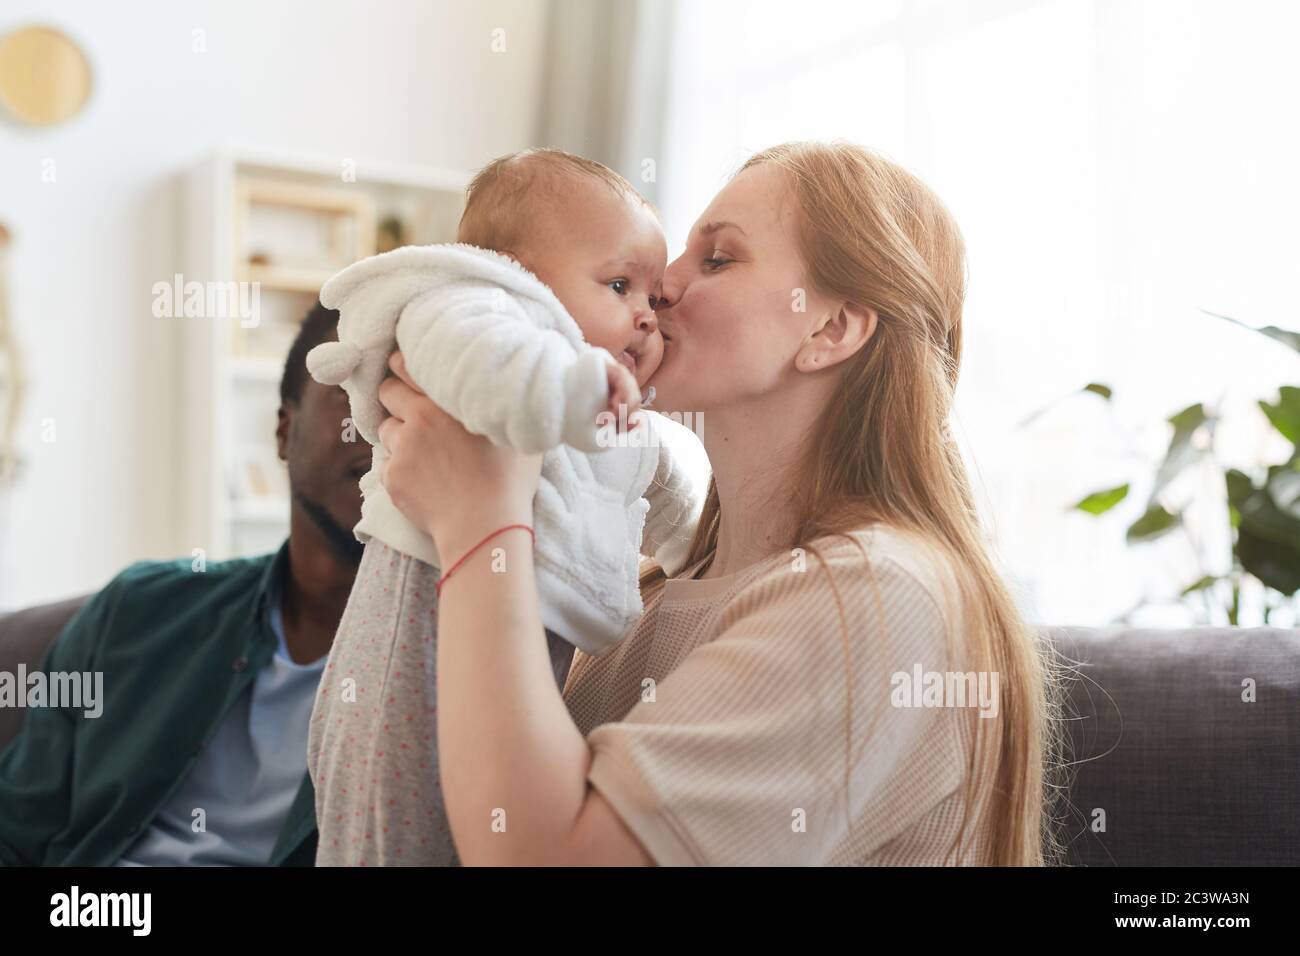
(287, 278)
(328, 199)
(328, 167)
(308, 216)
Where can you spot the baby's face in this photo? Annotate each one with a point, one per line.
(604, 259)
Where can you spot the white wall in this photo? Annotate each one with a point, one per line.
(400, 81)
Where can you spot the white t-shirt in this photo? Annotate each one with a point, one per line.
(246, 778)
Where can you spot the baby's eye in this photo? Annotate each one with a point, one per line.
(620, 286)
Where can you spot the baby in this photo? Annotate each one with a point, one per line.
(533, 330)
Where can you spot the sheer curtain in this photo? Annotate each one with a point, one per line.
(1117, 168)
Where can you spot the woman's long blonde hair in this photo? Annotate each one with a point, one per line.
(873, 234)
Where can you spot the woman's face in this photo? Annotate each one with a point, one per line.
(731, 315)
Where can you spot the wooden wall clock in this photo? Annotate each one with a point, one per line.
(44, 76)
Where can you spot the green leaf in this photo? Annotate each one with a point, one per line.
(1285, 414)
(1155, 523)
(1189, 419)
(1239, 486)
(1099, 502)
(1098, 389)
(1208, 581)
(1260, 513)
(1275, 563)
(1283, 488)
(1182, 452)
(1285, 336)
(1095, 388)
(1268, 537)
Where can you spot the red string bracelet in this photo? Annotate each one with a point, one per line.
(437, 588)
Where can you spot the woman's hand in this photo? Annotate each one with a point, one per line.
(456, 486)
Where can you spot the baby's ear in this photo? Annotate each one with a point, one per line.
(330, 363)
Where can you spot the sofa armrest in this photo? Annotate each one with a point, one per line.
(25, 638)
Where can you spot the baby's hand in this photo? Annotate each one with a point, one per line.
(623, 390)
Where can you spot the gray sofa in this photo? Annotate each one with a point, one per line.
(1162, 748)
(1186, 772)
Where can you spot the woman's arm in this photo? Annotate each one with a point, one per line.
(513, 764)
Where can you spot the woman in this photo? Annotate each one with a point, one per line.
(762, 711)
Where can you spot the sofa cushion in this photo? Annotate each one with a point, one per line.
(1185, 770)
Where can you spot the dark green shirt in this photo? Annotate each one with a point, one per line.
(176, 647)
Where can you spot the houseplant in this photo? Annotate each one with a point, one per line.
(1263, 509)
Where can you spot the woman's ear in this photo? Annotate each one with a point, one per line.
(841, 335)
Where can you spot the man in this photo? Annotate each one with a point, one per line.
(209, 675)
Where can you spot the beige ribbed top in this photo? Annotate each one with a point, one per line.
(719, 725)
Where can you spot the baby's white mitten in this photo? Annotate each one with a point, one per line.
(359, 372)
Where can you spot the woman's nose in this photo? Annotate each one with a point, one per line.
(677, 277)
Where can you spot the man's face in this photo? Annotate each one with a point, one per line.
(324, 469)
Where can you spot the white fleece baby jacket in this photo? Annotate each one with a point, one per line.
(493, 346)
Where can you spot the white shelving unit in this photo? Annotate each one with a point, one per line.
(285, 222)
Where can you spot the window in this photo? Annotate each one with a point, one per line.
(1116, 169)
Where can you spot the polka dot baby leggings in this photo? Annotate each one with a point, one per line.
(372, 749)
